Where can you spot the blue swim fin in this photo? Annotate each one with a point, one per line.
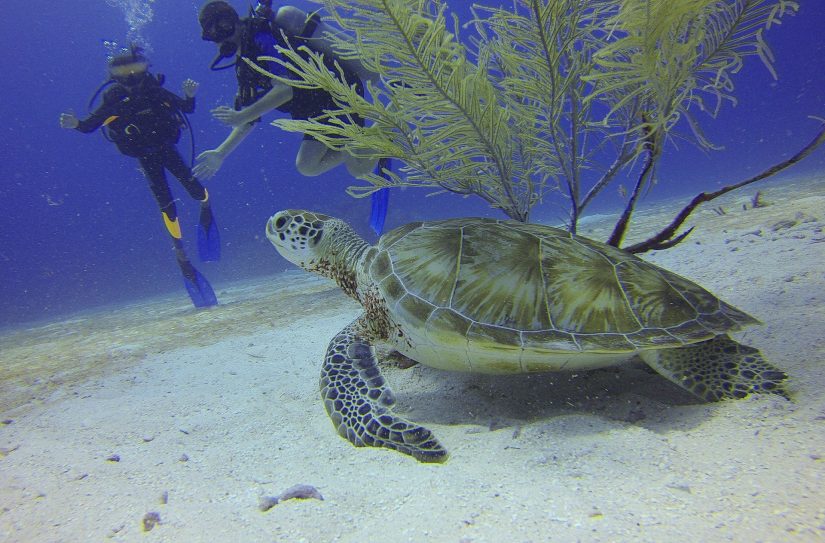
(199, 289)
(209, 237)
(380, 199)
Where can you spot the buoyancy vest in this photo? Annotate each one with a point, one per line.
(143, 119)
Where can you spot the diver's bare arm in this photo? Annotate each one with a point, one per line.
(279, 95)
(211, 160)
(238, 134)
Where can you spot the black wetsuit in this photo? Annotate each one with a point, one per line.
(144, 122)
(260, 38)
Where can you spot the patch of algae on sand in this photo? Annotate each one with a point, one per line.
(42, 363)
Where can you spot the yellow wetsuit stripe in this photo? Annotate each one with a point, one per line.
(205, 196)
(110, 119)
(172, 225)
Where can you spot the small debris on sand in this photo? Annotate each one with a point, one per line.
(150, 520)
(301, 492)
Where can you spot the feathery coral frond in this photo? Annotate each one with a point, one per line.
(554, 94)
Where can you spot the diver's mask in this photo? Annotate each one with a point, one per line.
(219, 28)
(131, 74)
(218, 21)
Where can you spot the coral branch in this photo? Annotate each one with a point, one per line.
(663, 238)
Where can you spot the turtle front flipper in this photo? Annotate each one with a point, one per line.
(359, 402)
(718, 369)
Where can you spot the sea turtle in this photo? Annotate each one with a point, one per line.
(495, 296)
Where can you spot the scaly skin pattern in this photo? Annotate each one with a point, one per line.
(360, 404)
(718, 369)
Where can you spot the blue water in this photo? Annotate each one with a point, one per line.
(79, 227)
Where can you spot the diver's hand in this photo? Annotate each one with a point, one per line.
(190, 87)
(68, 120)
(228, 116)
(209, 162)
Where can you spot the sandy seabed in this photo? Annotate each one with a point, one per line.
(158, 416)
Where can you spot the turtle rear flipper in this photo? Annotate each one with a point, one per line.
(359, 402)
(717, 369)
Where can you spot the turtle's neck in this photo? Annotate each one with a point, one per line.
(343, 259)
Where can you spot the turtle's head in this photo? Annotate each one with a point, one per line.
(300, 236)
(317, 243)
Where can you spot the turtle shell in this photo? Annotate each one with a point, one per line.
(505, 288)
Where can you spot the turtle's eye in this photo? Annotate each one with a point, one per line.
(317, 238)
(271, 229)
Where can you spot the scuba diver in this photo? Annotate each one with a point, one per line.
(260, 34)
(144, 121)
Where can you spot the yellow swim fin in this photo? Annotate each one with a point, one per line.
(172, 225)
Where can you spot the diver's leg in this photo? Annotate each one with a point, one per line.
(358, 167)
(152, 165)
(199, 289)
(173, 162)
(315, 158)
(208, 235)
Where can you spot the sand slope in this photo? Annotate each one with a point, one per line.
(208, 411)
